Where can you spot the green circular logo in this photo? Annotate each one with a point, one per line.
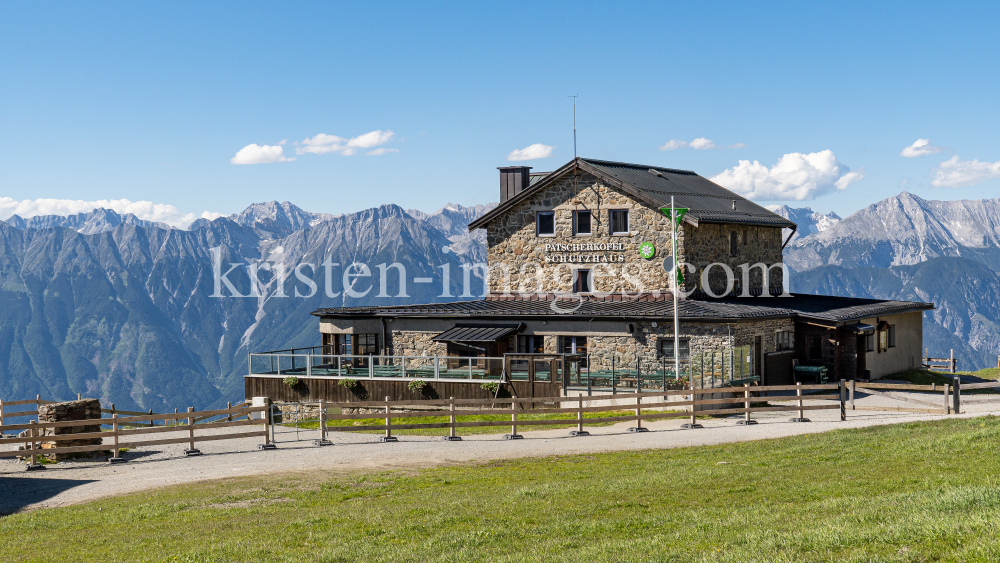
(647, 250)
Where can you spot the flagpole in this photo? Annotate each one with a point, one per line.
(677, 265)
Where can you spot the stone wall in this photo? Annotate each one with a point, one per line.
(710, 243)
(512, 241)
(415, 343)
(84, 409)
(521, 261)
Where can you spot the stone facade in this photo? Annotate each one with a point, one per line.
(415, 343)
(522, 261)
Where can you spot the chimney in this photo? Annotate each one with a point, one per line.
(513, 179)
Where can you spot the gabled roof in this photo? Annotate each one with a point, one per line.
(706, 200)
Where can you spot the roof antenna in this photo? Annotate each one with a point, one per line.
(575, 166)
(574, 96)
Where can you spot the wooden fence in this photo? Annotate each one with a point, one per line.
(949, 363)
(740, 402)
(131, 428)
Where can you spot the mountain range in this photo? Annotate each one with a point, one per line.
(123, 309)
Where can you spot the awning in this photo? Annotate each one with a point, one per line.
(480, 333)
(860, 328)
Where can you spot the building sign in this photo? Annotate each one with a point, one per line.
(585, 253)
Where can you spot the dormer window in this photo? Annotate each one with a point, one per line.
(546, 222)
(581, 223)
(619, 221)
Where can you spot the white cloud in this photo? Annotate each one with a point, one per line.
(382, 150)
(673, 144)
(211, 215)
(796, 176)
(146, 210)
(323, 143)
(262, 154)
(921, 147)
(955, 173)
(531, 152)
(701, 144)
(698, 144)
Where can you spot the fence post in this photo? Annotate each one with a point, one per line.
(190, 424)
(268, 444)
(79, 396)
(114, 430)
(843, 394)
(951, 362)
(229, 406)
(323, 441)
(956, 395)
(947, 405)
(798, 393)
(638, 416)
(32, 434)
(1, 413)
(746, 401)
(853, 383)
(451, 437)
(579, 420)
(513, 422)
(693, 424)
(388, 424)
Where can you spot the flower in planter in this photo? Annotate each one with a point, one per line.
(416, 385)
(291, 381)
(490, 386)
(349, 383)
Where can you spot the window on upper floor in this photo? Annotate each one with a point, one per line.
(582, 281)
(581, 223)
(546, 223)
(619, 221)
(892, 336)
(733, 243)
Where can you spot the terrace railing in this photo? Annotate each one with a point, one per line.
(288, 363)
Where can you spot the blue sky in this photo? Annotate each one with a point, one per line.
(152, 101)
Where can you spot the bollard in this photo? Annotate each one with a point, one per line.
(579, 421)
(638, 416)
(451, 437)
(843, 397)
(947, 404)
(853, 382)
(956, 395)
(513, 421)
(323, 441)
(191, 451)
(798, 393)
(747, 421)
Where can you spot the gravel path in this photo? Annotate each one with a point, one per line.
(72, 482)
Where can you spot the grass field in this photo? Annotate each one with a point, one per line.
(910, 492)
